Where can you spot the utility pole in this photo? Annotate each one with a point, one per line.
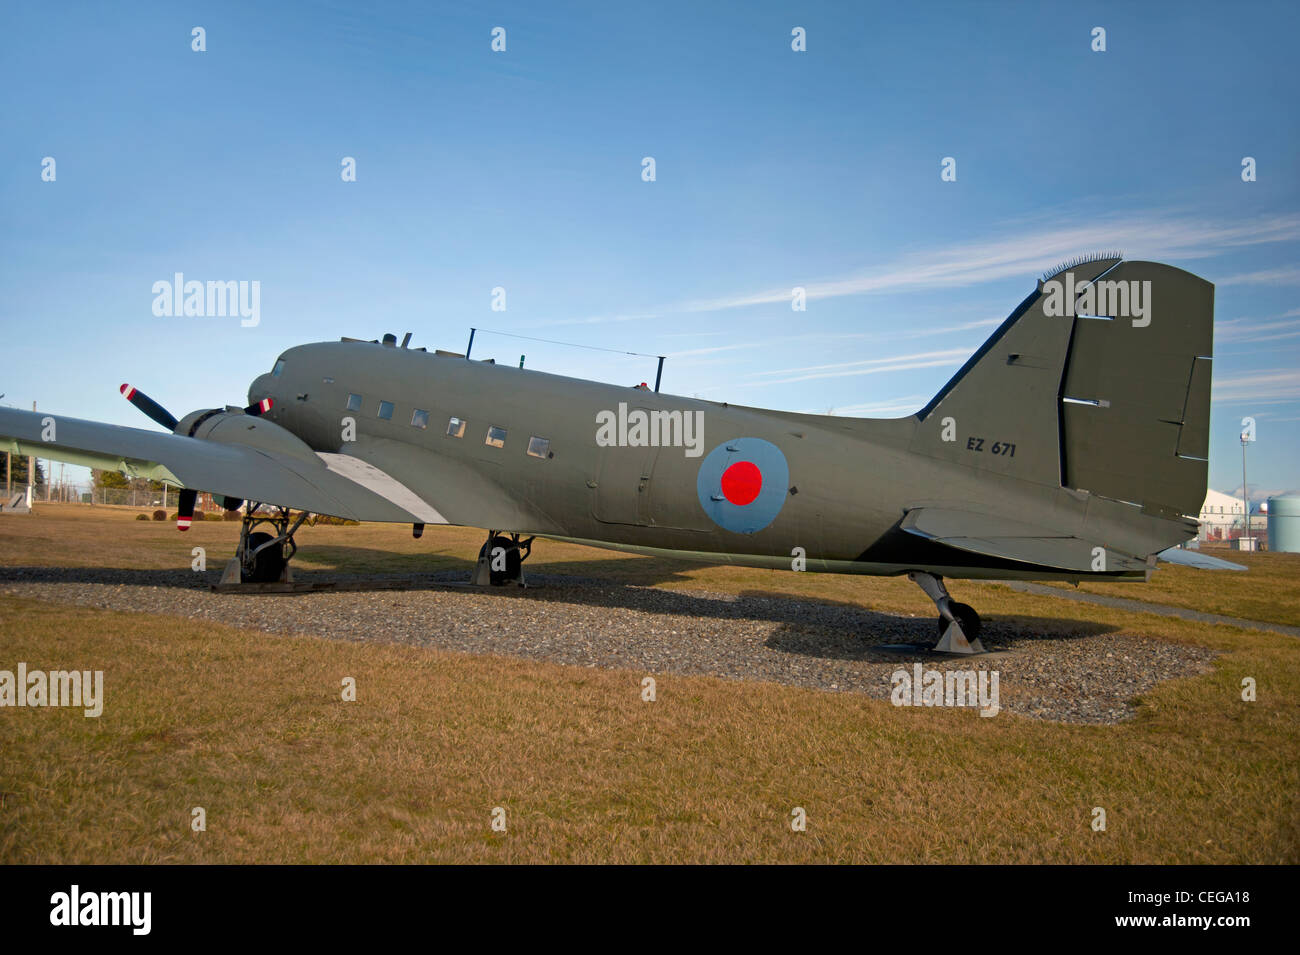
(1247, 436)
(31, 475)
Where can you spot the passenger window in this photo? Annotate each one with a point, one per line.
(419, 419)
(279, 367)
(539, 447)
(354, 402)
(496, 437)
(386, 409)
(456, 427)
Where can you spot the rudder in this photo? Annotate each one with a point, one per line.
(1135, 399)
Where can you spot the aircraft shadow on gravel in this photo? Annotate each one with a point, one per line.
(853, 633)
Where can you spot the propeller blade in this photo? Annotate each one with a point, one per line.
(259, 409)
(185, 510)
(149, 407)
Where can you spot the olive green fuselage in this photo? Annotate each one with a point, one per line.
(850, 483)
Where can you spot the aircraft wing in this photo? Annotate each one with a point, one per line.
(994, 536)
(289, 476)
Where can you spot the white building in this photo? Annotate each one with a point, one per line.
(1221, 514)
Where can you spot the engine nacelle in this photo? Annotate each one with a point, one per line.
(233, 426)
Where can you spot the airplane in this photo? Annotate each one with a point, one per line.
(1071, 446)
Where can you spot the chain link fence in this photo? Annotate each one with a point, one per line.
(87, 493)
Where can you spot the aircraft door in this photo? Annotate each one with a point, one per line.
(623, 486)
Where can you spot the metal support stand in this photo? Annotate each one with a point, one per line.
(954, 638)
(483, 569)
(504, 552)
(281, 536)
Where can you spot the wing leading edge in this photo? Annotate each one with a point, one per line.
(219, 467)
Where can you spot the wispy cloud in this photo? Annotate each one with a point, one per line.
(894, 407)
(1140, 235)
(1286, 276)
(903, 334)
(1033, 252)
(872, 366)
(714, 349)
(695, 334)
(1263, 387)
(1286, 325)
(946, 353)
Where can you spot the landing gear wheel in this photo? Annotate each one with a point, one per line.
(966, 617)
(268, 565)
(513, 561)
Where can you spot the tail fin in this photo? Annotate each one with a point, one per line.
(1099, 380)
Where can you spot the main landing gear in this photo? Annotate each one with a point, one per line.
(501, 560)
(959, 624)
(262, 557)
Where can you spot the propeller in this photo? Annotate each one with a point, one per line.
(149, 407)
(188, 496)
(185, 508)
(165, 418)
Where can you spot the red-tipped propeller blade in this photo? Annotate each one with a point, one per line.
(260, 408)
(149, 407)
(185, 510)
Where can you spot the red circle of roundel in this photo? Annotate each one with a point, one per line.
(741, 483)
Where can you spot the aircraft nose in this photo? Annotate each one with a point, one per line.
(260, 388)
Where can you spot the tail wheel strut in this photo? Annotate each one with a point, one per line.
(959, 624)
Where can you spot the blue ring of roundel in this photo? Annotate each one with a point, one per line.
(758, 513)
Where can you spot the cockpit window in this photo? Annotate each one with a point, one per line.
(279, 367)
(354, 402)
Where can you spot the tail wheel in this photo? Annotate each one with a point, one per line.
(510, 557)
(966, 617)
(268, 565)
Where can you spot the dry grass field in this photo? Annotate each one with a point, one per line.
(1268, 591)
(252, 728)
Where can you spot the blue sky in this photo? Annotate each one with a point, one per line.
(522, 169)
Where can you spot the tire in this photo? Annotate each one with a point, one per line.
(513, 561)
(268, 565)
(967, 617)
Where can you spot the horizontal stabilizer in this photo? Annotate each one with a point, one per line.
(1192, 558)
(994, 536)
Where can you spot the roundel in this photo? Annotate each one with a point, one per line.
(743, 483)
